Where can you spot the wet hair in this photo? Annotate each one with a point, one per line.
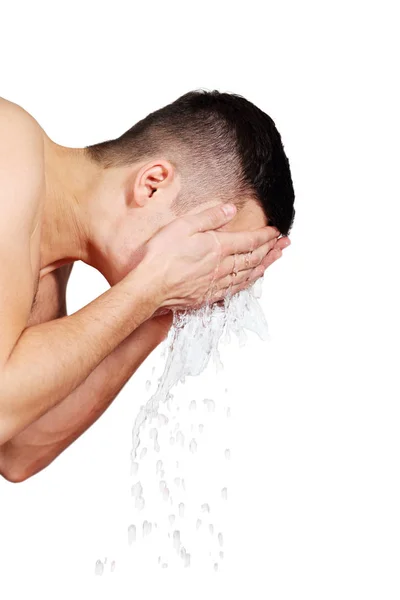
(223, 146)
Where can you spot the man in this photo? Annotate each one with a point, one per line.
(147, 211)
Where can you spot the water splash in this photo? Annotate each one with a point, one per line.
(205, 328)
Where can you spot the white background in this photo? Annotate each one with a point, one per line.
(314, 508)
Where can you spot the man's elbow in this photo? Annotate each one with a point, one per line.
(14, 473)
(11, 469)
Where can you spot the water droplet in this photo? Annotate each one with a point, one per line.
(193, 446)
(152, 371)
(139, 503)
(221, 539)
(156, 446)
(205, 507)
(148, 384)
(228, 412)
(171, 519)
(177, 464)
(99, 568)
(147, 527)
(193, 405)
(186, 560)
(183, 484)
(201, 428)
(198, 523)
(211, 528)
(180, 438)
(162, 420)
(210, 404)
(153, 434)
(131, 534)
(176, 540)
(172, 440)
(215, 566)
(221, 555)
(165, 494)
(143, 453)
(134, 468)
(177, 481)
(159, 466)
(113, 566)
(227, 454)
(137, 490)
(162, 485)
(224, 493)
(181, 509)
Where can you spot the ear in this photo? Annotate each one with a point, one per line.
(153, 177)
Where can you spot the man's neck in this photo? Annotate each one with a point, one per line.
(70, 180)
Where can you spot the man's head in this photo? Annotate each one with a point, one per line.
(203, 149)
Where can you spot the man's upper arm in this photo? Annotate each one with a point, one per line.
(21, 183)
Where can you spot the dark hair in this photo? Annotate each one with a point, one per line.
(223, 146)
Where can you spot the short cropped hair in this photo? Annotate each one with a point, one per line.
(223, 147)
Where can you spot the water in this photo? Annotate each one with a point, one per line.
(194, 339)
(131, 534)
(180, 438)
(192, 342)
(147, 527)
(210, 404)
(99, 568)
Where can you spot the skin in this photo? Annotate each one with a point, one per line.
(59, 373)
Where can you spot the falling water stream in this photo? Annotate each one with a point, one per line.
(192, 342)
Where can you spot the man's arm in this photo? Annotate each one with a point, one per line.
(43, 364)
(40, 443)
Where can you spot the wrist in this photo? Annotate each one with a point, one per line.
(143, 280)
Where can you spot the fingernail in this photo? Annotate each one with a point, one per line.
(229, 209)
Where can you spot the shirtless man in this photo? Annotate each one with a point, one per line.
(148, 210)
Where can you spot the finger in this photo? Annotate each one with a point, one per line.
(248, 260)
(245, 241)
(210, 219)
(271, 257)
(232, 279)
(221, 293)
(283, 243)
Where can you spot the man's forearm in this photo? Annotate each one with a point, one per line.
(51, 359)
(40, 443)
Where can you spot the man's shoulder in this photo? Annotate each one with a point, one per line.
(22, 174)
